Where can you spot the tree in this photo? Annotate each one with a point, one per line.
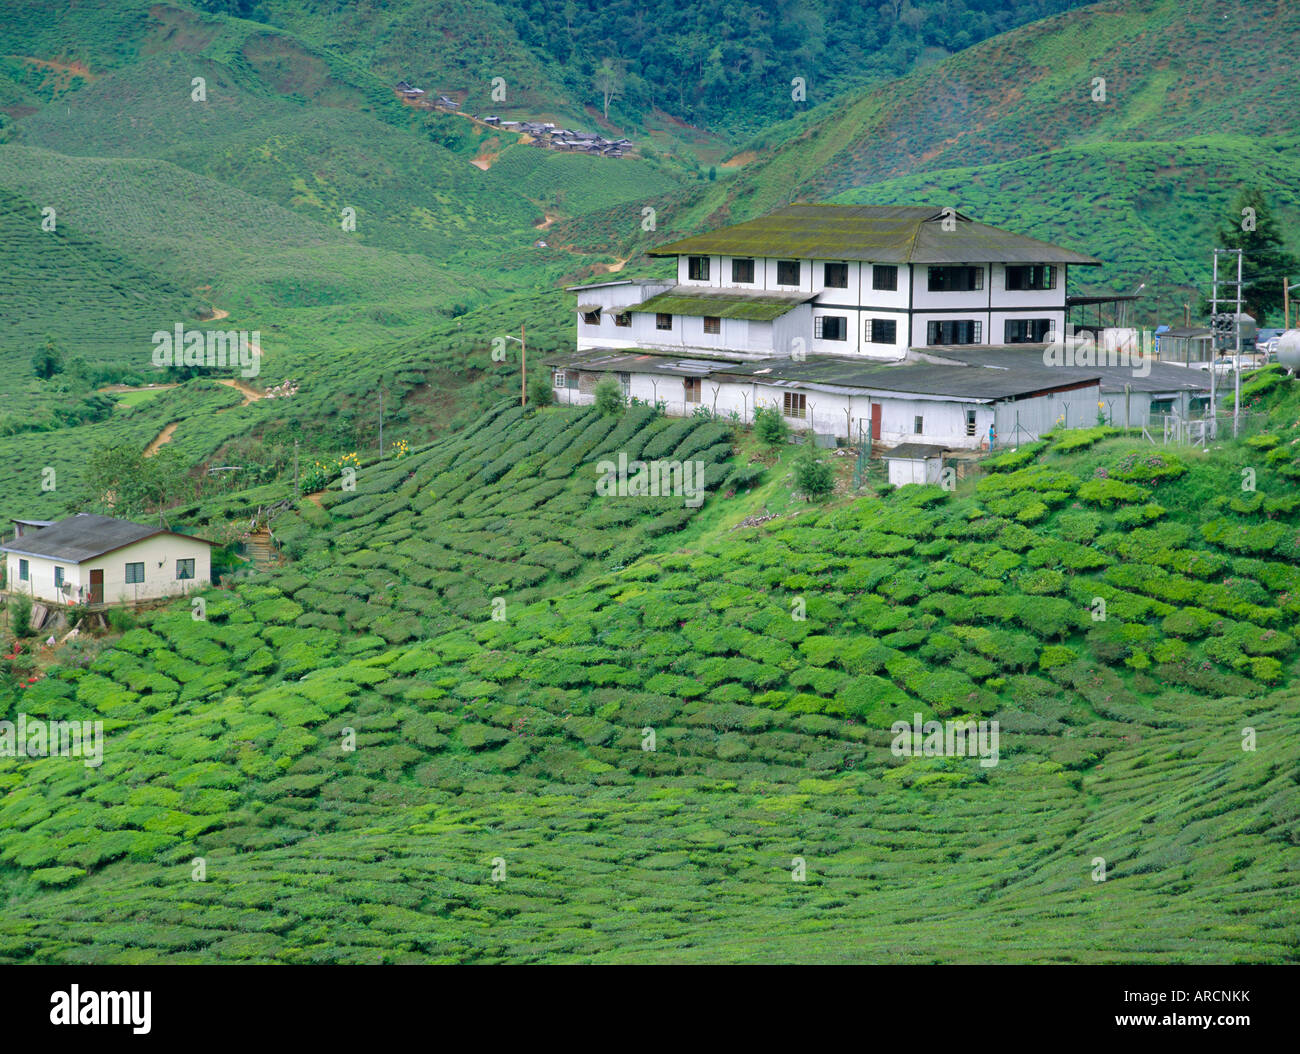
(770, 426)
(47, 361)
(21, 620)
(127, 483)
(814, 476)
(608, 80)
(540, 392)
(609, 397)
(1265, 261)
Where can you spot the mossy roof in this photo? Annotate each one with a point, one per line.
(685, 300)
(883, 234)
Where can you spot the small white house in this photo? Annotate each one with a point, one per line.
(89, 559)
(914, 463)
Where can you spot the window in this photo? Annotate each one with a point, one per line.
(24, 571)
(918, 425)
(134, 574)
(663, 321)
(787, 272)
(1026, 330)
(961, 331)
(58, 578)
(956, 279)
(970, 422)
(831, 327)
(697, 268)
(623, 318)
(1031, 276)
(571, 378)
(712, 324)
(742, 270)
(881, 331)
(591, 318)
(836, 276)
(625, 382)
(691, 385)
(884, 276)
(794, 404)
(184, 569)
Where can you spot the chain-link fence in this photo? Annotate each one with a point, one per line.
(1199, 430)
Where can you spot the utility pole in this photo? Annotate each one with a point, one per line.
(1218, 329)
(523, 366)
(296, 488)
(381, 421)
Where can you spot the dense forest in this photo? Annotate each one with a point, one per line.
(720, 61)
(730, 63)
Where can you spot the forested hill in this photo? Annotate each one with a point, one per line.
(726, 64)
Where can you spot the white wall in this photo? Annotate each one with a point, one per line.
(943, 421)
(903, 472)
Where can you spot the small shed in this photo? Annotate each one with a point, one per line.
(914, 463)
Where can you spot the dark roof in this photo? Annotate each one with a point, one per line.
(634, 361)
(1163, 376)
(949, 381)
(1111, 298)
(887, 234)
(84, 537)
(915, 451)
(692, 300)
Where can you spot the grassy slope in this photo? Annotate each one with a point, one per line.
(236, 202)
(522, 739)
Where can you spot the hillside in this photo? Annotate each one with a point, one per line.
(1198, 105)
(519, 742)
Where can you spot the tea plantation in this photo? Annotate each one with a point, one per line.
(483, 714)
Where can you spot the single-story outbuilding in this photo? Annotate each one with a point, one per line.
(90, 559)
(914, 463)
(961, 406)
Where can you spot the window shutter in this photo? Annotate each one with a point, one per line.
(979, 278)
(817, 327)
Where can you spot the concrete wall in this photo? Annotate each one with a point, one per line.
(158, 554)
(905, 471)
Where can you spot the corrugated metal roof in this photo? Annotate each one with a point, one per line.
(950, 381)
(84, 537)
(1114, 372)
(947, 381)
(757, 307)
(884, 234)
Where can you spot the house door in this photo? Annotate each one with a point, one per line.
(97, 586)
(875, 421)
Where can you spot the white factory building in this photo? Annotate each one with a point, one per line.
(907, 325)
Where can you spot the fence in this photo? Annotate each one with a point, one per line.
(1167, 429)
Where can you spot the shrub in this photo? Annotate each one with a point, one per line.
(21, 618)
(770, 426)
(608, 397)
(814, 476)
(540, 392)
(1110, 492)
